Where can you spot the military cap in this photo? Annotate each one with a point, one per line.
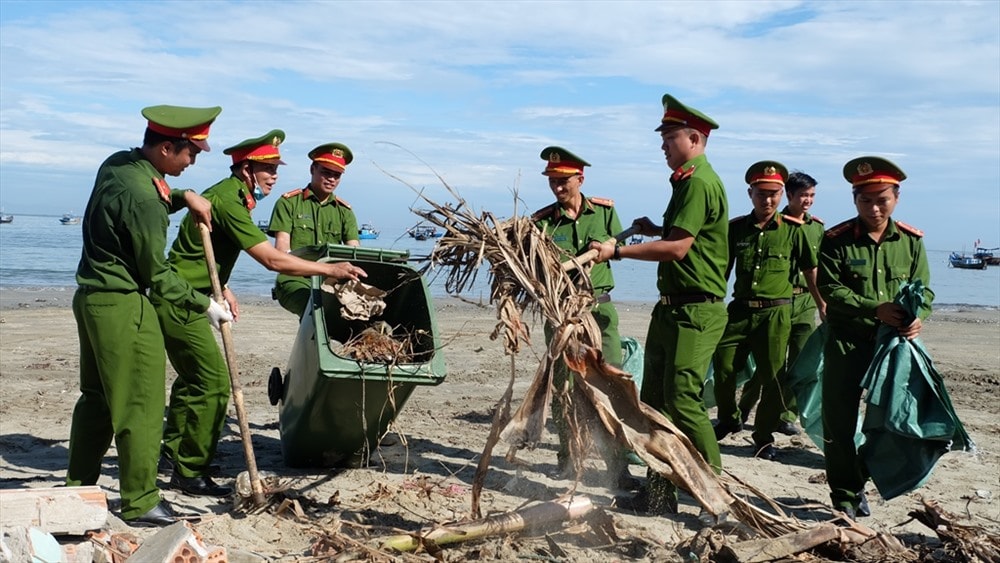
(182, 122)
(766, 172)
(868, 173)
(259, 149)
(561, 163)
(676, 114)
(334, 156)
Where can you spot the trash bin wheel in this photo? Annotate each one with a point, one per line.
(275, 386)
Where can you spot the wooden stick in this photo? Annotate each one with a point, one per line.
(539, 515)
(234, 375)
(577, 261)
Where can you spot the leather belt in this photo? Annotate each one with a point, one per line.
(603, 298)
(763, 303)
(686, 298)
(799, 290)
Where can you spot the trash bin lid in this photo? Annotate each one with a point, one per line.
(346, 252)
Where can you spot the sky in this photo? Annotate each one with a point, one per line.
(468, 93)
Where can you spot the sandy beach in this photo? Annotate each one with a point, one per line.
(422, 473)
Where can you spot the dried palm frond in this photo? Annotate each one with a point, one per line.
(526, 276)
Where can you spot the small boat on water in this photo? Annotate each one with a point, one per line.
(424, 232)
(6, 219)
(988, 255)
(635, 239)
(69, 219)
(963, 262)
(263, 225)
(367, 231)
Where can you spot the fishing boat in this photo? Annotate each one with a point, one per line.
(263, 225)
(69, 219)
(6, 219)
(635, 239)
(367, 232)
(963, 262)
(988, 255)
(424, 232)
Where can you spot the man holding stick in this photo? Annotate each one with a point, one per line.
(200, 394)
(690, 317)
(122, 364)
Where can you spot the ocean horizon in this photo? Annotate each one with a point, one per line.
(37, 252)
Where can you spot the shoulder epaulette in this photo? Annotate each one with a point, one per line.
(681, 174)
(604, 202)
(292, 193)
(735, 219)
(543, 212)
(839, 229)
(909, 229)
(817, 219)
(793, 220)
(342, 202)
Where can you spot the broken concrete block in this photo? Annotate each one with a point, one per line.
(179, 543)
(30, 544)
(56, 510)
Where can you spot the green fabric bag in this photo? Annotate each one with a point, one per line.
(632, 359)
(909, 421)
(741, 378)
(805, 379)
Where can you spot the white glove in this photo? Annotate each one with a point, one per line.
(218, 313)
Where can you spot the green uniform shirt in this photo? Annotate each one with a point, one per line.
(814, 234)
(763, 258)
(125, 233)
(311, 222)
(598, 221)
(233, 230)
(698, 205)
(857, 274)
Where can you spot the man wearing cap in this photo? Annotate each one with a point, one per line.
(573, 222)
(312, 216)
(762, 248)
(690, 316)
(122, 364)
(862, 265)
(800, 189)
(200, 394)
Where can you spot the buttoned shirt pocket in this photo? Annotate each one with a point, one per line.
(857, 276)
(303, 231)
(776, 261)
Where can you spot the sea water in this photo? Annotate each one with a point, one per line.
(38, 252)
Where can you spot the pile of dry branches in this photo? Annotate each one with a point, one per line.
(527, 278)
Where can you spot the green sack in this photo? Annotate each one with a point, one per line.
(909, 421)
(632, 359)
(805, 380)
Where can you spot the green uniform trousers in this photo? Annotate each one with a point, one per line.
(803, 325)
(679, 346)
(763, 333)
(293, 293)
(611, 347)
(199, 396)
(845, 364)
(122, 370)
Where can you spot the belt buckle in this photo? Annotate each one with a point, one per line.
(664, 300)
(754, 303)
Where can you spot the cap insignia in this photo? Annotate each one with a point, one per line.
(865, 169)
(275, 141)
(338, 153)
(554, 157)
(770, 171)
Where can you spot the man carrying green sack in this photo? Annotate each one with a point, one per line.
(864, 262)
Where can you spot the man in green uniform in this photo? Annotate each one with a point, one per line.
(200, 394)
(690, 316)
(122, 364)
(863, 263)
(800, 189)
(312, 216)
(762, 248)
(573, 222)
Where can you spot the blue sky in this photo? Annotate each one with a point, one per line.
(477, 89)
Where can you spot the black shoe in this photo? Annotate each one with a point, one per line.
(727, 427)
(787, 428)
(642, 503)
(863, 509)
(159, 515)
(848, 511)
(627, 482)
(199, 486)
(765, 451)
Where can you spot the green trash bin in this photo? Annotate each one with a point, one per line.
(335, 409)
